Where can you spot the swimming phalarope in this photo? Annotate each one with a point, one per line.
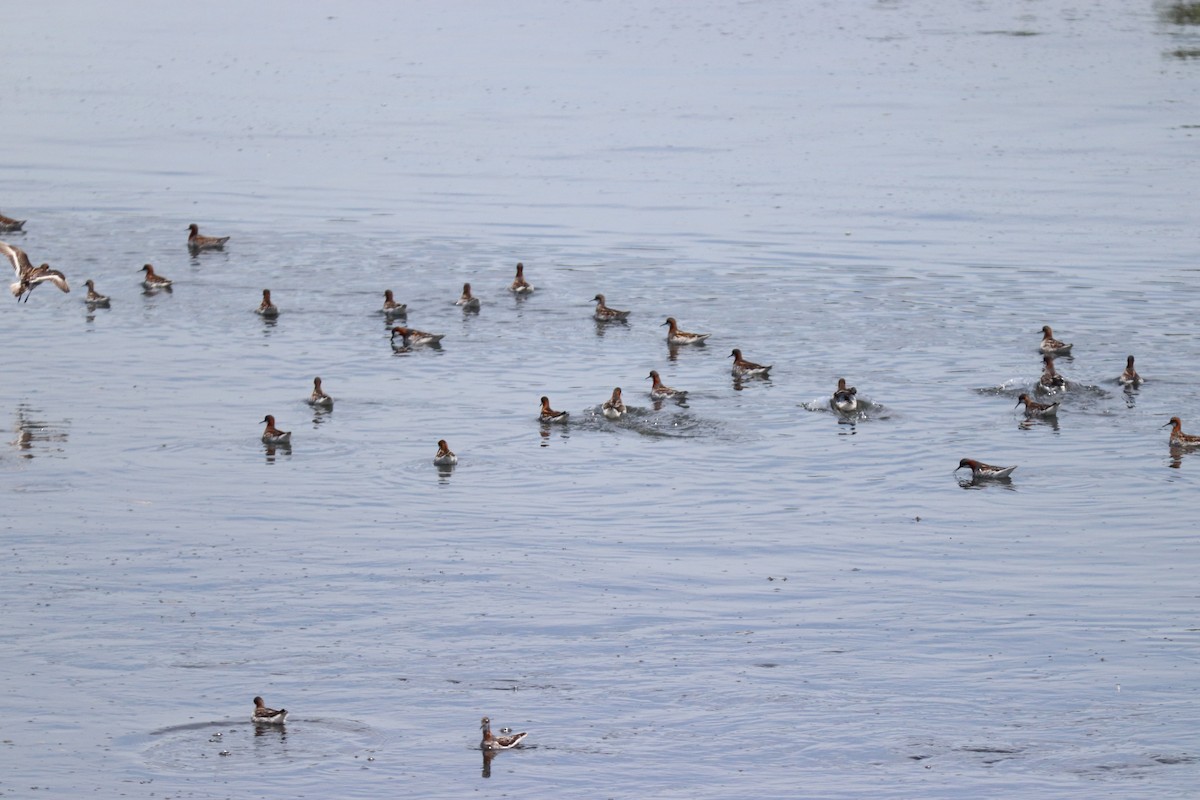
(390, 307)
(1178, 437)
(272, 435)
(660, 391)
(519, 284)
(10, 225)
(196, 242)
(981, 471)
(1130, 377)
(748, 369)
(94, 298)
(468, 301)
(411, 338)
(444, 457)
(318, 398)
(548, 414)
(153, 281)
(605, 314)
(1053, 346)
(1036, 409)
(268, 716)
(676, 336)
(614, 407)
(491, 742)
(845, 399)
(1050, 379)
(266, 308)
(29, 276)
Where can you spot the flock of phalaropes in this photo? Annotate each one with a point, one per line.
(844, 400)
(1052, 383)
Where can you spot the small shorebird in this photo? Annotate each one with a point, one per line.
(1036, 409)
(981, 471)
(10, 225)
(676, 336)
(196, 242)
(1130, 377)
(1050, 379)
(660, 391)
(153, 281)
(272, 435)
(29, 276)
(267, 716)
(1178, 437)
(605, 314)
(411, 338)
(614, 407)
(845, 399)
(491, 742)
(468, 301)
(390, 307)
(444, 457)
(266, 308)
(748, 369)
(318, 398)
(94, 298)
(1053, 346)
(548, 414)
(519, 284)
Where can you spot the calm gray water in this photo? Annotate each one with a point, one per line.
(737, 597)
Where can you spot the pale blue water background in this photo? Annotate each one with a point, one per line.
(738, 598)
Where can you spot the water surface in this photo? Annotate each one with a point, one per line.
(743, 594)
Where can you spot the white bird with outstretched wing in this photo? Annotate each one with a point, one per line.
(29, 276)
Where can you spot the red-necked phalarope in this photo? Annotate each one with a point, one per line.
(153, 281)
(444, 457)
(272, 435)
(390, 307)
(548, 414)
(10, 225)
(981, 471)
(94, 298)
(411, 338)
(267, 716)
(614, 407)
(605, 314)
(660, 391)
(1178, 437)
(845, 399)
(28, 276)
(1036, 409)
(1130, 377)
(196, 242)
(519, 284)
(676, 336)
(468, 301)
(266, 308)
(748, 369)
(1050, 380)
(1052, 346)
(318, 398)
(491, 742)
